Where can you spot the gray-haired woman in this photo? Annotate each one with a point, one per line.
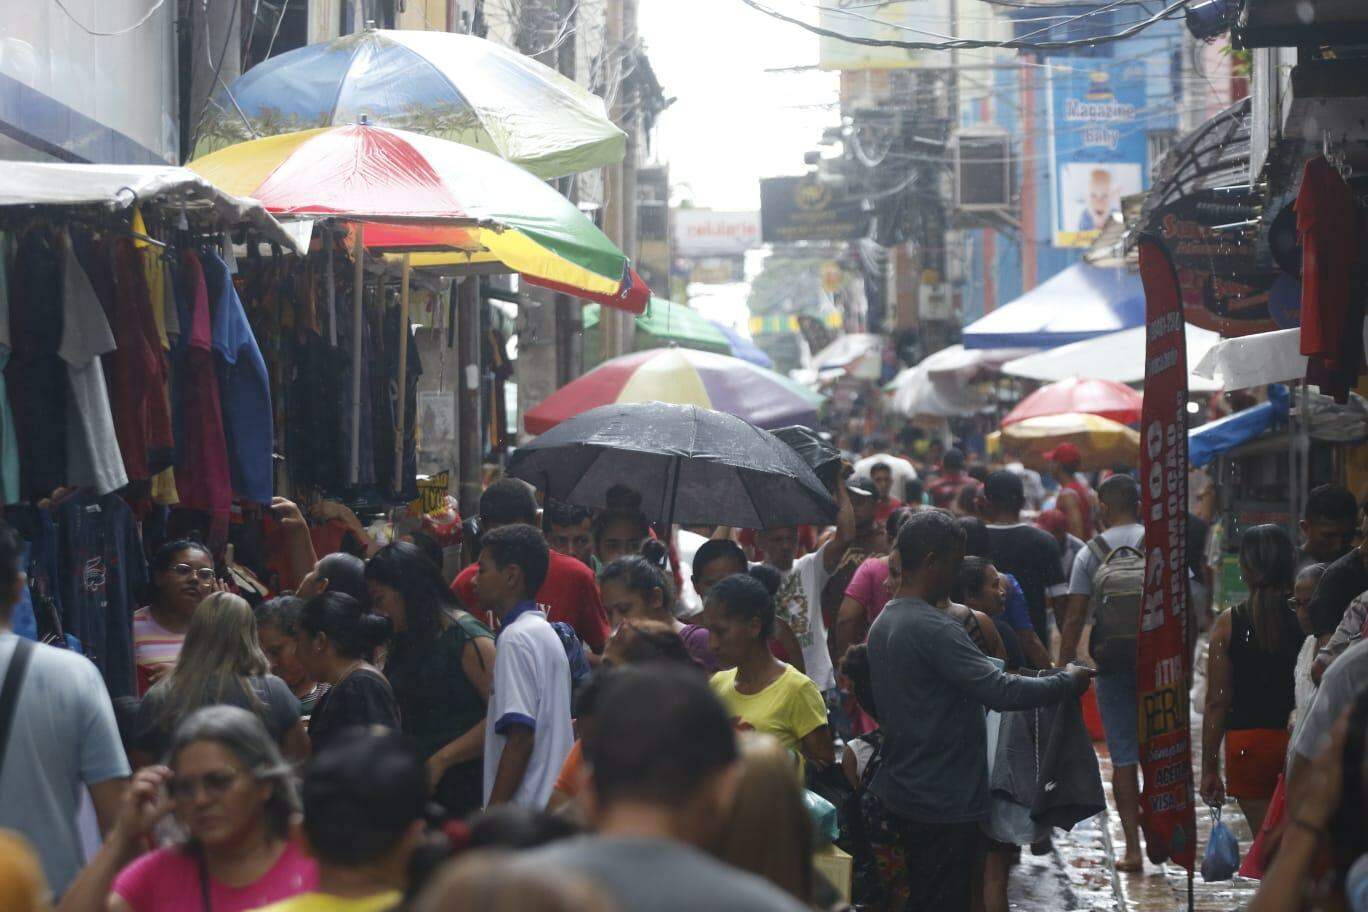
(233, 795)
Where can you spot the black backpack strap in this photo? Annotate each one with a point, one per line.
(9, 691)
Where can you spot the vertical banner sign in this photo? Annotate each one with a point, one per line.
(1166, 805)
(1098, 143)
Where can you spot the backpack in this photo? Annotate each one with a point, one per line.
(1118, 588)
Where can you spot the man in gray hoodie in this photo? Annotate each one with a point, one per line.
(931, 685)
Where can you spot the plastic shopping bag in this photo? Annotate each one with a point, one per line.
(1222, 852)
(823, 816)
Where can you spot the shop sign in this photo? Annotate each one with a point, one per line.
(1163, 660)
(704, 233)
(1097, 141)
(432, 492)
(807, 209)
(1226, 287)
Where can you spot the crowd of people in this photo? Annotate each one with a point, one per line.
(552, 728)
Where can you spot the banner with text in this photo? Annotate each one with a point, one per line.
(807, 209)
(1097, 143)
(1166, 805)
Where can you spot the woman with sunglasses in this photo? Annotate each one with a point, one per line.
(182, 574)
(234, 799)
(221, 663)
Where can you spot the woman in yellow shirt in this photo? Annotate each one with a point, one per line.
(759, 691)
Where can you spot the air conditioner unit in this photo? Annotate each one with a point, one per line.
(983, 169)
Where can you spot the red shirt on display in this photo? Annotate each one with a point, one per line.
(570, 594)
(1331, 318)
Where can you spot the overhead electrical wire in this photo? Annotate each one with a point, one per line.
(117, 32)
(971, 43)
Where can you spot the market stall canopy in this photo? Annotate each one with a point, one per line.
(664, 323)
(966, 363)
(916, 391)
(1101, 442)
(1257, 360)
(1079, 395)
(693, 466)
(683, 377)
(118, 187)
(419, 193)
(744, 347)
(1079, 303)
(1118, 356)
(453, 86)
(1216, 437)
(857, 354)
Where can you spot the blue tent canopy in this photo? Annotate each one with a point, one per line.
(1079, 303)
(744, 348)
(1216, 437)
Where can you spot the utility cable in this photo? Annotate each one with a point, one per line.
(114, 34)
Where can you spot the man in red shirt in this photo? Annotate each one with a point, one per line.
(570, 592)
(1076, 497)
(946, 488)
(885, 503)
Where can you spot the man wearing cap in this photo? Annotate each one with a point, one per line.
(1076, 498)
(870, 540)
(1057, 524)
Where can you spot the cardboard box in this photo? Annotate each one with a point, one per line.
(837, 867)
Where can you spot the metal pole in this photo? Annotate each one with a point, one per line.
(469, 433)
(400, 435)
(358, 286)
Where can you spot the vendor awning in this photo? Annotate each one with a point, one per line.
(1214, 438)
(1116, 356)
(118, 187)
(858, 354)
(1079, 303)
(1257, 360)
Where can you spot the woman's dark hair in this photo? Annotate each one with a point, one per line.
(344, 572)
(651, 641)
(282, 611)
(428, 546)
(715, 549)
(362, 796)
(914, 491)
(855, 666)
(768, 576)
(976, 541)
(969, 582)
(165, 556)
(968, 497)
(1268, 560)
(641, 576)
(744, 596)
(403, 568)
(512, 826)
(895, 522)
(353, 632)
(608, 517)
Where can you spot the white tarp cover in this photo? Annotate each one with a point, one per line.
(1118, 356)
(117, 187)
(859, 354)
(916, 391)
(1257, 360)
(964, 363)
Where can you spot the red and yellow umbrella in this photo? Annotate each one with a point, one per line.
(1080, 396)
(454, 203)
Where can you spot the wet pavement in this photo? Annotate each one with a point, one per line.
(1081, 872)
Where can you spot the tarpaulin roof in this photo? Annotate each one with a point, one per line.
(1118, 356)
(1079, 303)
(1216, 437)
(118, 187)
(1255, 360)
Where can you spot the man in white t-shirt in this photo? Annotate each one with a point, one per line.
(799, 602)
(527, 727)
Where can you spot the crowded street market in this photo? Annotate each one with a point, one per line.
(633, 455)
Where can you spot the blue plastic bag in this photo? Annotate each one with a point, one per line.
(822, 813)
(1222, 857)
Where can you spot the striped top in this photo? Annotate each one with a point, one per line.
(153, 646)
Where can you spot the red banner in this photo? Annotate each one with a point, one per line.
(1166, 805)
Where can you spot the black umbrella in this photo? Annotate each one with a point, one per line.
(691, 465)
(817, 452)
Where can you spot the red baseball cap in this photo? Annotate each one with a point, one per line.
(1066, 454)
(1053, 521)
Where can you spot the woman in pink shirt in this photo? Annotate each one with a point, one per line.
(232, 794)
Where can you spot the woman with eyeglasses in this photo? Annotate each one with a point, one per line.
(182, 574)
(234, 799)
(1250, 678)
(221, 662)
